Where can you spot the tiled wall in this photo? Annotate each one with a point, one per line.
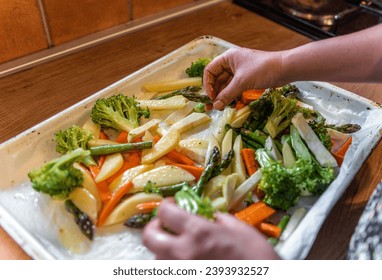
(28, 26)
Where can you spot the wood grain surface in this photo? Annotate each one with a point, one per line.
(33, 95)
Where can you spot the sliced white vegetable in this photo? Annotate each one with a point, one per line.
(219, 203)
(212, 142)
(89, 184)
(242, 191)
(238, 163)
(294, 221)
(229, 187)
(111, 165)
(172, 103)
(86, 202)
(214, 187)
(196, 154)
(148, 136)
(238, 122)
(140, 130)
(163, 176)
(93, 127)
(167, 143)
(339, 139)
(181, 113)
(226, 147)
(193, 143)
(226, 119)
(272, 150)
(128, 207)
(241, 112)
(127, 176)
(323, 156)
(191, 121)
(288, 156)
(173, 84)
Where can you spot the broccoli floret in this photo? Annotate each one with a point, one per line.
(277, 182)
(58, 177)
(190, 201)
(284, 109)
(73, 138)
(319, 126)
(309, 174)
(197, 67)
(119, 112)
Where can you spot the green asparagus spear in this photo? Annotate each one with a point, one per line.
(212, 163)
(165, 190)
(139, 220)
(81, 219)
(191, 93)
(118, 148)
(226, 160)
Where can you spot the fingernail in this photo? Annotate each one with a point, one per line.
(218, 105)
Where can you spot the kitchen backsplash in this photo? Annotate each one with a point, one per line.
(29, 26)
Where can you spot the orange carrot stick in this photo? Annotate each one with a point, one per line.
(115, 198)
(194, 170)
(250, 95)
(255, 213)
(103, 135)
(180, 158)
(340, 153)
(239, 105)
(270, 230)
(122, 137)
(148, 207)
(250, 161)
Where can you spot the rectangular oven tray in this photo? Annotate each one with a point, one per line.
(31, 218)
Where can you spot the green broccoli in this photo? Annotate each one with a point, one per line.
(284, 108)
(73, 138)
(119, 112)
(319, 126)
(309, 174)
(197, 67)
(277, 182)
(58, 177)
(190, 201)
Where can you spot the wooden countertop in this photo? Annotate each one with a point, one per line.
(33, 95)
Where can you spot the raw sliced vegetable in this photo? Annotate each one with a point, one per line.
(255, 213)
(81, 219)
(120, 148)
(251, 95)
(249, 157)
(163, 176)
(128, 207)
(173, 103)
(129, 175)
(114, 200)
(140, 130)
(173, 85)
(323, 156)
(86, 202)
(190, 122)
(165, 144)
(270, 230)
(111, 165)
(179, 158)
(181, 113)
(194, 170)
(238, 163)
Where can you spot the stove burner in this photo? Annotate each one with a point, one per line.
(319, 19)
(322, 15)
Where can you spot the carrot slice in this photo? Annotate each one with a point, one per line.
(250, 95)
(180, 158)
(270, 230)
(148, 207)
(103, 187)
(115, 198)
(122, 137)
(250, 161)
(103, 135)
(133, 159)
(239, 105)
(194, 170)
(340, 153)
(255, 213)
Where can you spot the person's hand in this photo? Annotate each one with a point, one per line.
(176, 234)
(239, 69)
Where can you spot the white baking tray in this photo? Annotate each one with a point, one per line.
(31, 218)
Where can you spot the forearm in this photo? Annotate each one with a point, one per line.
(356, 57)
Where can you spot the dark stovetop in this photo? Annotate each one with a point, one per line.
(354, 18)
